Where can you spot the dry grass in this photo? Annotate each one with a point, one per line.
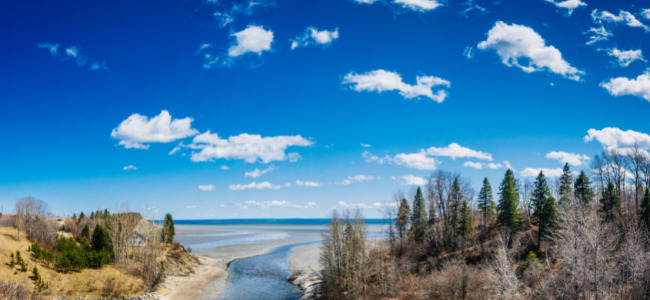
(108, 281)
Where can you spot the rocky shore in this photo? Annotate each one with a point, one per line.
(149, 296)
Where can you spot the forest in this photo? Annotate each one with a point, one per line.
(584, 235)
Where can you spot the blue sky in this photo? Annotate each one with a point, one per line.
(342, 102)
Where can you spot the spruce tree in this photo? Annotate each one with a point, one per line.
(466, 227)
(168, 231)
(419, 216)
(81, 217)
(610, 203)
(547, 219)
(566, 183)
(582, 189)
(644, 213)
(509, 215)
(539, 196)
(486, 201)
(403, 216)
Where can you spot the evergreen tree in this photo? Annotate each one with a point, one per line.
(539, 196)
(466, 220)
(582, 189)
(456, 199)
(74, 216)
(81, 217)
(419, 216)
(547, 219)
(168, 231)
(403, 216)
(486, 201)
(610, 203)
(566, 183)
(85, 232)
(644, 214)
(11, 263)
(101, 240)
(509, 215)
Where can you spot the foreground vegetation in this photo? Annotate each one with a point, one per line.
(103, 254)
(568, 239)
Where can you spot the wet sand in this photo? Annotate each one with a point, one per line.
(196, 286)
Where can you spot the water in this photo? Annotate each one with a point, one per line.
(258, 250)
(262, 277)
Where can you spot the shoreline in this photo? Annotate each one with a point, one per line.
(195, 285)
(305, 270)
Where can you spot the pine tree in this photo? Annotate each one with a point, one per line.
(85, 232)
(419, 216)
(610, 203)
(566, 183)
(486, 201)
(582, 189)
(455, 206)
(11, 263)
(509, 215)
(168, 231)
(81, 217)
(403, 216)
(644, 213)
(74, 216)
(466, 220)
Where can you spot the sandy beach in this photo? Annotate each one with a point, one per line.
(196, 286)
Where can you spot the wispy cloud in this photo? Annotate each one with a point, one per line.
(626, 57)
(567, 5)
(621, 86)
(573, 159)
(256, 186)
(275, 203)
(73, 53)
(257, 172)
(129, 168)
(207, 187)
(414, 180)
(357, 178)
(308, 183)
(364, 205)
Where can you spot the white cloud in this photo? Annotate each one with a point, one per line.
(468, 52)
(129, 168)
(226, 17)
(533, 172)
(623, 17)
(478, 165)
(254, 185)
(573, 159)
(257, 172)
(625, 58)
(569, 5)
(190, 206)
(646, 13)
(308, 183)
(457, 151)
(473, 165)
(621, 86)
(365, 1)
(72, 53)
(494, 166)
(357, 178)
(275, 203)
(598, 34)
(176, 149)
(508, 165)
(224, 167)
(315, 36)
(254, 39)
(419, 5)
(137, 130)
(53, 48)
(522, 47)
(365, 145)
(471, 6)
(418, 160)
(207, 188)
(363, 205)
(414, 180)
(612, 138)
(382, 80)
(248, 147)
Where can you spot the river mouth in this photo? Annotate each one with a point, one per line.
(263, 276)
